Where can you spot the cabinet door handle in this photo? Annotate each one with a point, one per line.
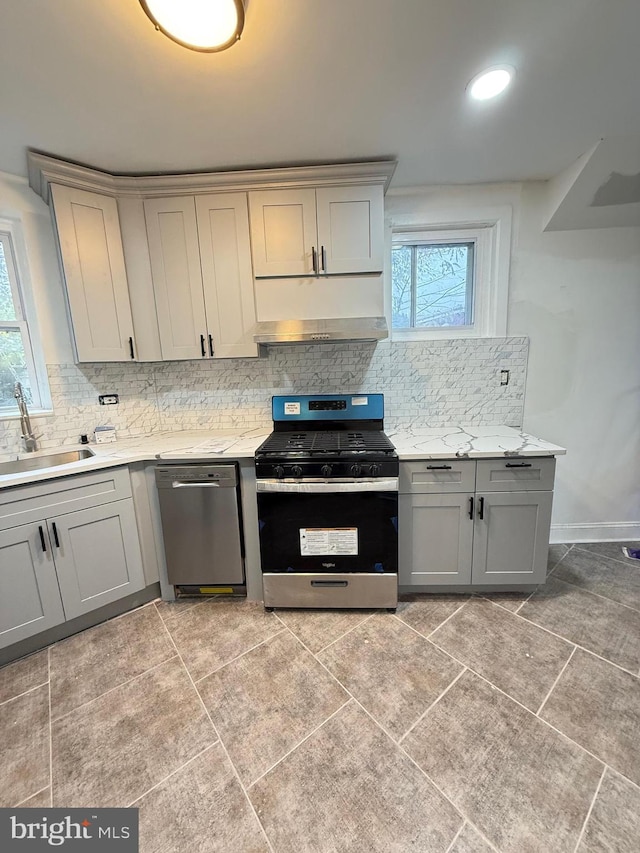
(314, 259)
(323, 256)
(42, 542)
(518, 465)
(211, 345)
(203, 349)
(55, 534)
(438, 467)
(481, 509)
(131, 352)
(471, 508)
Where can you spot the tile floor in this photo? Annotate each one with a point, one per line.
(462, 724)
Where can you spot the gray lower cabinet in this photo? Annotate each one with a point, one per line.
(97, 556)
(436, 539)
(30, 598)
(57, 567)
(452, 535)
(511, 539)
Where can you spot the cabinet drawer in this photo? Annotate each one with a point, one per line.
(437, 475)
(515, 475)
(26, 504)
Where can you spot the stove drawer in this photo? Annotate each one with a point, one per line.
(346, 590)
(437, 476)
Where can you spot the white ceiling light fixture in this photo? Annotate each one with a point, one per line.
(490, 82)
(204, 25)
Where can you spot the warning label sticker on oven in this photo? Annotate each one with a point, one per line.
(292, 408)
(321, 541)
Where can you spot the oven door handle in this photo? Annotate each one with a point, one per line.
(385, 484)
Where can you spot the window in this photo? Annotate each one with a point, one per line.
(450, 281)
(18, 361)
(432, 284)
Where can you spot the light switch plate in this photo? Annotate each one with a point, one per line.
(108, 399)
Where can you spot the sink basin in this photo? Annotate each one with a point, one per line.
(51, 460)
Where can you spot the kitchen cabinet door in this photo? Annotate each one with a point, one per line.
(511, 539)
(97, 556)
(177, 279)
(435, 539)
(283, 232)
(225, 253)
(92, 260)
(350, 229)
(29, 595)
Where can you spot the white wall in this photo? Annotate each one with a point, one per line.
(576, 295)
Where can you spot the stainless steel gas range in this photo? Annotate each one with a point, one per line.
(327, 483)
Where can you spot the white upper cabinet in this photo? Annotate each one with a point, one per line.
(202, 278)
(193, 262)
(96, 281)
(350, 229)
(225, 255)
(284, 232)
(177, 278)
(324, 231)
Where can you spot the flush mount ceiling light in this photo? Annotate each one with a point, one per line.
(204, 25)
(490, 82)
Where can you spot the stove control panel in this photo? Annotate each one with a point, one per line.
(325, 471)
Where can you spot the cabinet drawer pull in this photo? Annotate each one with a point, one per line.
(323, 255)
(481, 509)
(518, 465)
(314, 259)
(202, 347)
(131, 352)
(211, 345)
(55, 534)
(42, 542)
(329, 583)
(471, 508)
(438, 467)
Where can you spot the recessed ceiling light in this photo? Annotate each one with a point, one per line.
(206, 25)
(490, 82)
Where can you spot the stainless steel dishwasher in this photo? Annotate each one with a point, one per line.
(202, 527)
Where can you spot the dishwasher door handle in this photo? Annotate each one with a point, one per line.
(178, 485)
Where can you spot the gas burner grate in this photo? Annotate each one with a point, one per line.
(326, 441)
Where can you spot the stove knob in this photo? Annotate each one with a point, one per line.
(356, 470)
(326, 470)
(296, 471)
(374, 470)
(279, 471)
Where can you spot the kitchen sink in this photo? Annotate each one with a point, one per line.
(50, 460)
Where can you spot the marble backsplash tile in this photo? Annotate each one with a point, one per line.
(436, 383)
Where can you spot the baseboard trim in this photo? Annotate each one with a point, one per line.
(609, 531)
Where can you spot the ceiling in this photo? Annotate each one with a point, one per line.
(321, 81)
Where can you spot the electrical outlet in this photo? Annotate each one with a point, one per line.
(504, 377)
(108, 399)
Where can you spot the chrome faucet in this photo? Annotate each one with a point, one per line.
(30, 440)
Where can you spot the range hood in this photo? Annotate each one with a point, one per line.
(321, 331)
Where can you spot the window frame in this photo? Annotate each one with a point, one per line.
(15, 253)
(491, 232)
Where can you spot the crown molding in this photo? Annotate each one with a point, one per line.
(45, 170)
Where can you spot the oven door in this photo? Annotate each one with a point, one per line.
(328, 527)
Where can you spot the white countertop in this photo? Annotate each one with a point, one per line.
(411, 443)
(418, 442)
(143, 449)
